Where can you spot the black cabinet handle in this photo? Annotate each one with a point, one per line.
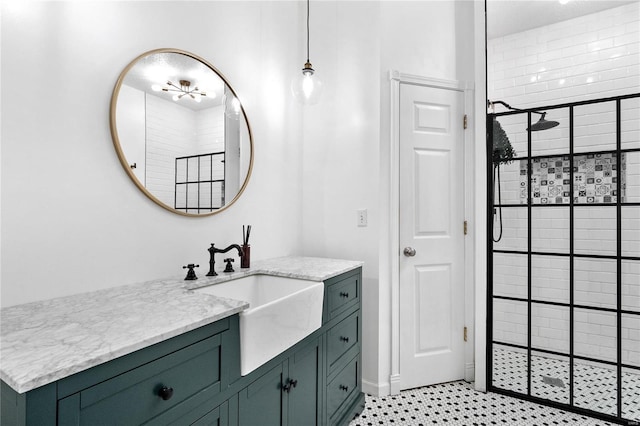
(344, 339)
(343, 294)
(165, 393)
(289, 384)
(344, 388)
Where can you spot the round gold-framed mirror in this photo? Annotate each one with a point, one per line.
(181, 133)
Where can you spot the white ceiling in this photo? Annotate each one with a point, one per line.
(512, 16)
(159, 68)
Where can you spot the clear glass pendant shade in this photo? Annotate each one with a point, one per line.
(232, 108)
(307, 86)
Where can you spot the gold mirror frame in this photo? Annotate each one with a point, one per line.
(120, 152)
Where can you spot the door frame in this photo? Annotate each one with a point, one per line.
(396, 79)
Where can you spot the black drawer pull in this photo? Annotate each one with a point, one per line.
(289, 384)
(343, 294)
(165, 393)
(344, 339)
(344, 388)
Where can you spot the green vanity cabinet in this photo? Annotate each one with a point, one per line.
(288, 394)
(194, 379)
(172, 381)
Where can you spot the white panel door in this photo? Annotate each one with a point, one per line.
(431, 236)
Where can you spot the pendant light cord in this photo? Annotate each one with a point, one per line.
(307, 30)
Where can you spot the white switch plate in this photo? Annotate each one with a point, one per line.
(362, 217)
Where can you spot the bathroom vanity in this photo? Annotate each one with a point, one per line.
(162, 353)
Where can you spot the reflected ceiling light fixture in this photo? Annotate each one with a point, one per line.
(541, 124)
(181, 91)
(307, 86)
(563, 1)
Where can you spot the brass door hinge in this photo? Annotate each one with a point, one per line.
(465, 227)
(465, 122)
(465, 334)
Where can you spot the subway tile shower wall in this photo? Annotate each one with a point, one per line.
(589, 57)
(594, 56)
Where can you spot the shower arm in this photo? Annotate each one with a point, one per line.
(490, 104)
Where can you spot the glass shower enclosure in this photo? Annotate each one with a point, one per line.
(564, 256)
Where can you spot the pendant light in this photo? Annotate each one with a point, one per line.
(307, 86)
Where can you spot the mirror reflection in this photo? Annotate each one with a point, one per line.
(181, 133)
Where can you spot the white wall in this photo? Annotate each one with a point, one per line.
(72, 221)
(590, 57)
(346, 136)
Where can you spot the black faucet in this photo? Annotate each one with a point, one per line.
(212, 262)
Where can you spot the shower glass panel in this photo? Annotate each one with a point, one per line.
(631, 182)
(631, 340)
(551, 142)
(550, 229)
(549, 278)
(594, 334)
(630, 124)
(510, 275)
(595, 282)
(550, 327)
(595, 387)
(510, 322)
(631, 285)
(595, 230)
(510, 368)
(514, 228)
(631, 231)
(564, 278)
(594, 127)
(630, 395)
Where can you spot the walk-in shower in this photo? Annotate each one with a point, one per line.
(564, 278)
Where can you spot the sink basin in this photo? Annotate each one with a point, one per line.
(282, 312)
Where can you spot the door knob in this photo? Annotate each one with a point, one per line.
(409, 251)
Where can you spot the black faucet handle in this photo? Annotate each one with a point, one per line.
(229, 268)
(191, 274)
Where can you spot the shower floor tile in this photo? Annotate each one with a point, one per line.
(456, 403)
(595, 384)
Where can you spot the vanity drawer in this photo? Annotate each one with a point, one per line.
(342, 337)
(342, 388)
(136, 396)
(342, 294)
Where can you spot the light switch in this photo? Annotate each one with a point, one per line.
(362, 217)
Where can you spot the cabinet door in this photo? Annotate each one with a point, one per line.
(305, 398)
(217, 417)
(261, 403)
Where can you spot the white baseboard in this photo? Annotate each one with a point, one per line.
(375, 389)
(469, 372)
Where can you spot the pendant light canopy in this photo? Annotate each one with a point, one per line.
(307, 86)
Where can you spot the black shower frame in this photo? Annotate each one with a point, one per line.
(571, 255)
(199, 181)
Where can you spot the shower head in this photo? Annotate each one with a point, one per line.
(543, 124)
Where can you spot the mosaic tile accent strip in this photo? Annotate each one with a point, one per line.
(595, 179)
(595, 386)
(457, 403)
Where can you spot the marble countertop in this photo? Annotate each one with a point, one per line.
(45, 341)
